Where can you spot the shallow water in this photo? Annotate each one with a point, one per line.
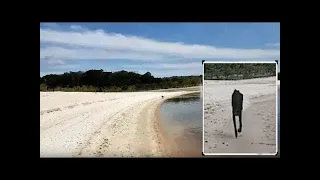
(181, 119)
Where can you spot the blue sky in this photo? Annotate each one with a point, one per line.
(164, 49)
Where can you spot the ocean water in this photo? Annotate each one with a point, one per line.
(181, 121)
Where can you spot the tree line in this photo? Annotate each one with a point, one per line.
(236, 71)
(100, 81)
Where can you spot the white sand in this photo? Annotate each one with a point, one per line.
(259, 116)
(100, 124)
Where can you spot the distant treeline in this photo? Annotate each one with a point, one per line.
(100, 81)
(236, 71)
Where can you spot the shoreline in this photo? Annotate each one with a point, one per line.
(102, 124)
(172, 149)
(190, 88)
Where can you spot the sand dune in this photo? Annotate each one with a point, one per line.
(101, 124)
(259, 116)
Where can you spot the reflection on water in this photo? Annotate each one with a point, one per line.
(192, 97)
(181, 118)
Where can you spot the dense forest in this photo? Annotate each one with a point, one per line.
(236, 71)
(100, 81)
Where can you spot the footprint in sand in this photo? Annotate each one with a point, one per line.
(226, 144)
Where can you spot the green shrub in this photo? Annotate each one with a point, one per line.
(131, 88)
(43, 87)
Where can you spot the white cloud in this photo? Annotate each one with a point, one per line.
(66, 67)
(167, 69)
(53, 72)
(133, 47)
(52, 61)
(78, 28)
(59, 47)
(103, 54)
(163, 72)
(55, 62)
(181, 66)
(176, 72)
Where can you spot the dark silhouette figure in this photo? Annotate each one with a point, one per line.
(237, 101)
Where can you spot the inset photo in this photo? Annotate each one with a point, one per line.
(240, 110)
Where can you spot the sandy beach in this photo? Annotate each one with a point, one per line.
(82, 124)
(259, 116)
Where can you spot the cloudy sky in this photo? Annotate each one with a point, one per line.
(164, 49)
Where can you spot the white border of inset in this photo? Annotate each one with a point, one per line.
(244, 62)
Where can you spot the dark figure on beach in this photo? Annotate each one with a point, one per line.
(162, 96)
(237, 101)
